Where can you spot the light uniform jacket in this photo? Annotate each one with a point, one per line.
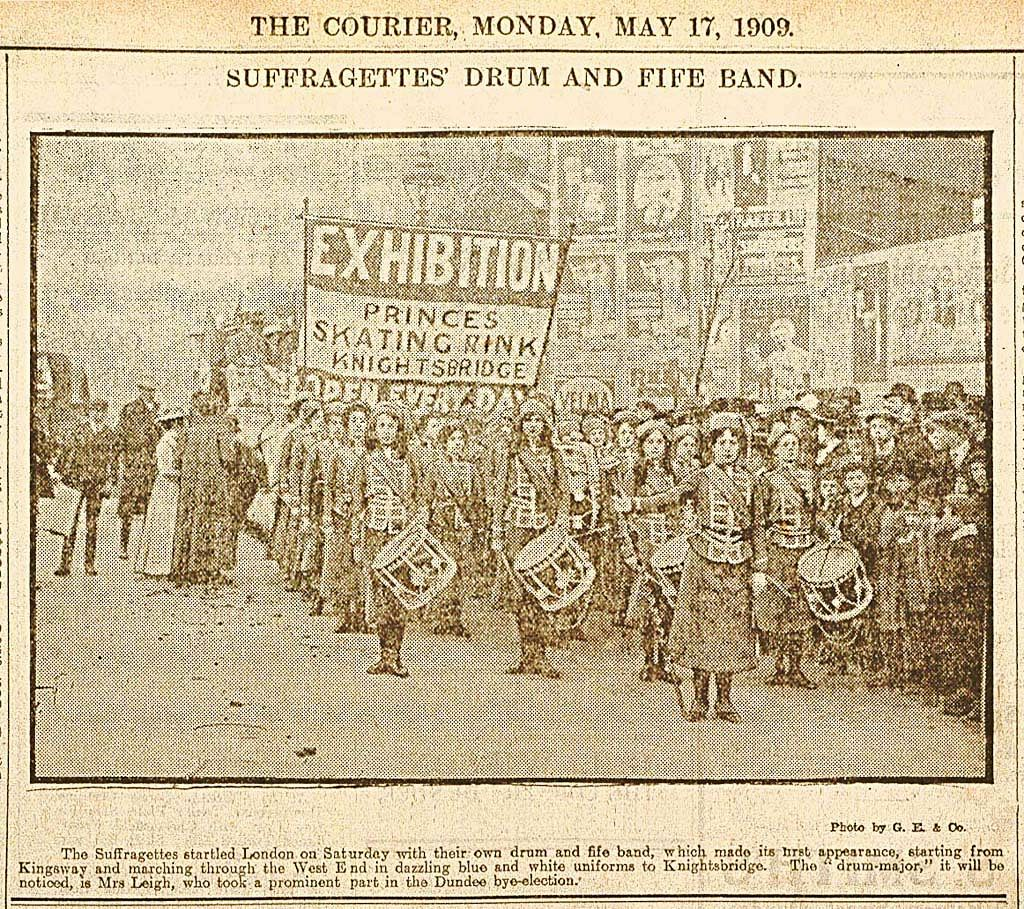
(530, 489)
(728, 510)
(789, 509)
(387, 488)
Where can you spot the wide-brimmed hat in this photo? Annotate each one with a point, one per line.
(168, 414)
(842, 466)
(808, 404)
(904, 392)
(686, 430)
(830, 415)
(726, 419)
(956, 420)
(335, 408)
(869, 412)
(391, 408)
(535, 407)
(349, 408)
(655, 425)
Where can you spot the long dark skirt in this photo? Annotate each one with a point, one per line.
(339, 579)
(712, 628)
(774, 612)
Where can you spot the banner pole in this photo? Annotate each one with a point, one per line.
(305, 277)
(563, 260)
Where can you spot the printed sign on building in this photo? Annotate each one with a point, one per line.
(586, 184)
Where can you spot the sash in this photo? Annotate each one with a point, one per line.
(734, 494)
(453, 494)
(539, 477)
(388, 472)
(790, 485)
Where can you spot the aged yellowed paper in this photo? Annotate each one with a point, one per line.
(529, 456)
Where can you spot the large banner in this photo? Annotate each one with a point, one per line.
(427, 305)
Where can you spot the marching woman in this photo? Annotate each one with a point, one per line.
(583, 479)
(389, 492)
(529, 494)
(278, 476)
(648, 609)
(602, 545)
(300, 565)
(618, 464)
(455, 516)
(342, 579)
(789, 498)
(156, 546)
(711, 630)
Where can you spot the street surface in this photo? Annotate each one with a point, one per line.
(135, 679)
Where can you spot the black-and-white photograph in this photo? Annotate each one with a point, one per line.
(525, 456)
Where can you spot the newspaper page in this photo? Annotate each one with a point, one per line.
(498, 454)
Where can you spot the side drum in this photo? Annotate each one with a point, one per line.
(835, 582)
(554, 569)
(414, 567)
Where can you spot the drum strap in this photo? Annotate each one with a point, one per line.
(388, 473)
(730, 489)
(539, 478)
(789, 481)
(456, 497)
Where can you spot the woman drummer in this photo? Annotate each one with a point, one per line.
(603, 544)
(455, 518)
(389, 491)
(711, 630)
(789, 500)
(529, 494)
(648, 609)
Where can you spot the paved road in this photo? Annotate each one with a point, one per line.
(135, 679)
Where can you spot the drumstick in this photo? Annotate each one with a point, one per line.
(503, 559)
(778, 586)
(679, 695)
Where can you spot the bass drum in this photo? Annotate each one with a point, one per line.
(835, 582)
(554, 569)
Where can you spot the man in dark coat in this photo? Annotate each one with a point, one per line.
(963, 560)
(137, 435)
(89, 464)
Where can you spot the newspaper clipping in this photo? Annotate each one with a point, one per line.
(503, 455)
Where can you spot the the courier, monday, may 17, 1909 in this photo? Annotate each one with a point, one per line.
(536, 456)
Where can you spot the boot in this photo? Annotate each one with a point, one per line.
(544, 669)
(723, 703)
(390, 648)
(782, 669)
(389, 664)
(527, 651)
(699, 708)
(652, 671)
(796, 676)
(126, 532)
